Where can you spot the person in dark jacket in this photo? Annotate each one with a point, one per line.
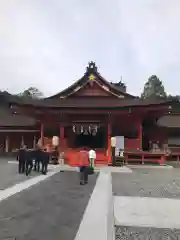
(22, 159)
(29, 161)
(45, 161)
(38, 159)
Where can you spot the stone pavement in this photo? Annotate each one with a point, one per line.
(147, 204)
(50, 210)
(9, 175)
(97, 168)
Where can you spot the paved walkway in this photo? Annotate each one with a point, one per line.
(147, 212)
(50, 210)
(97, 168)
(147, 204)
(9, 175)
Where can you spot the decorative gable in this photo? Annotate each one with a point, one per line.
(91, 89)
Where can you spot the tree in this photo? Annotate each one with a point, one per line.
(31, 92)
(153, 89)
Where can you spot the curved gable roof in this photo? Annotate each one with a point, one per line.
(92, 71)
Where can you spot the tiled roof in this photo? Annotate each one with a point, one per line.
(8, 118)
(93, 102)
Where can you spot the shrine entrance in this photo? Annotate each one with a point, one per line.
(89, 136)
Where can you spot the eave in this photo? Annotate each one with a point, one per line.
(89, 104)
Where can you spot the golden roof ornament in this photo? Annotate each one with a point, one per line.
(91, 77)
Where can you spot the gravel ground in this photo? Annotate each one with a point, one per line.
(139, 233)
(50, 210)
(174, 164)
(147, 183)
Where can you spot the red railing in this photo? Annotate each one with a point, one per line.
(143, 157)
(71, 157)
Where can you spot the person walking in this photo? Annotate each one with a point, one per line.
(83, 164)
(29, 161)
(92, 158)
(45, 161)
(37, 156)
(22, 159)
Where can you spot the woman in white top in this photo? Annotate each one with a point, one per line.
(92, 158)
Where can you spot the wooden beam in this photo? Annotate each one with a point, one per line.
(18, 130)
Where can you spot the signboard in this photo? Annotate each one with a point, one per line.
(119, 145)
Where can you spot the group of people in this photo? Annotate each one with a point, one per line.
(38, 159)
(33, 158)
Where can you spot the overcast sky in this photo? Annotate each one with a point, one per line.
(48, 43)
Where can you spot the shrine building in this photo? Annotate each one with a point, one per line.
(88, 114)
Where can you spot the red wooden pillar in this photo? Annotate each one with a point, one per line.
(109, 152)
(42, 134)
(140, 134)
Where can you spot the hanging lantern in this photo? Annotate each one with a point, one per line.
(90, 129)
(39, 143)
(113, 141)
(55, 141)
(94, 129)
(82, 129)
(74, 128)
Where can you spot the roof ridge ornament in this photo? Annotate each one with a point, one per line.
(91, 68)
(91, 77)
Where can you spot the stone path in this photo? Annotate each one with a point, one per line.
(9, 175)
(50, 210)
(147, 204)
(147, 212)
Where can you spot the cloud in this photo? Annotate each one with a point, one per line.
(47, 43)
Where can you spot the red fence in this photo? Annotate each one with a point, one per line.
(144, 157)
(71, 157)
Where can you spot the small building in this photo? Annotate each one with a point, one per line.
(88, 114)
(15, 129)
